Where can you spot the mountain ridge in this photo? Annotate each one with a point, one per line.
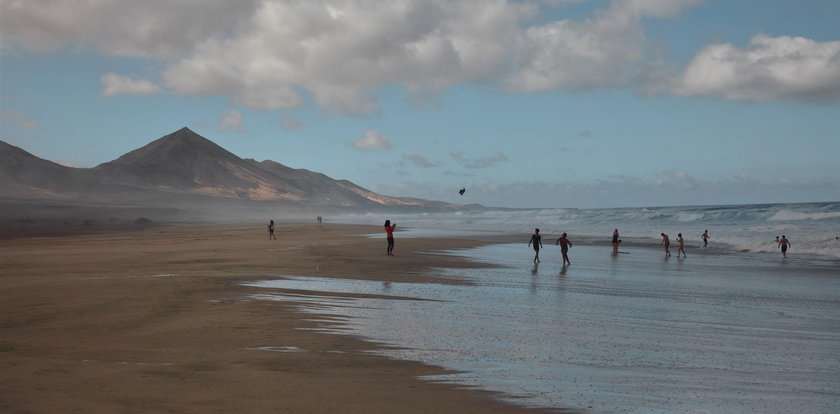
(181, 166)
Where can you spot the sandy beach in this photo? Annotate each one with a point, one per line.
(152, 320)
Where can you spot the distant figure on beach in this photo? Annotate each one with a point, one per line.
(536, 240)
(271, 230)
(389, 232)
(319, 218)
(681, 247)
(615, 241)
(564, 243)
(784, 243)
(705, 238)
(666, 242)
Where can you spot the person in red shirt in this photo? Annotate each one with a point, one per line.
(389, 231)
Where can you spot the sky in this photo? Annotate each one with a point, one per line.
(551, 103)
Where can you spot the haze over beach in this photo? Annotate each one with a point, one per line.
(145, 146)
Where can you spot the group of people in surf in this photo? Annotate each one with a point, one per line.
(666, 241)
(565, 244)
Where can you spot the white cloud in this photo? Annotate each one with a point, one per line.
(290, 123)
(231, 120)
(604, 51)
(149, 28)
(277, 54)
(372, 140)
(119, 85)
(19, 119)
(341, 51)
(484, 162)
(419, 160)
(769, 68)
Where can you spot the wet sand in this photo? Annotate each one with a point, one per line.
(637, 333)
(154, 320)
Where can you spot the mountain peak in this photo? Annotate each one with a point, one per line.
(183, 145)
(184, 134)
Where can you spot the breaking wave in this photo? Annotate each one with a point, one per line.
(813, 228)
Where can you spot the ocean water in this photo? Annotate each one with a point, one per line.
(631, 333)
(812, 228)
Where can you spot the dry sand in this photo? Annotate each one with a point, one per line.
(153, 320)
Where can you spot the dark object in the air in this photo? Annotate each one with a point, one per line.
(463, 190)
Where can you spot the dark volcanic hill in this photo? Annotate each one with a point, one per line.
(187, 162)
(180, 167)
(27, 176)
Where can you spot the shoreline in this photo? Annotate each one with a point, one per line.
(152, 321)
(613, 333)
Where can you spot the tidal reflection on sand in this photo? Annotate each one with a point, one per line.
(626, 333)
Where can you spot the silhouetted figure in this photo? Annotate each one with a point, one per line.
(320, 219)
(565, 244)
(681, 247)
(615, 241)
(389, 232)
(463, 190)
(705, 238)
(666, 242)
(536, 240)
(271, 231)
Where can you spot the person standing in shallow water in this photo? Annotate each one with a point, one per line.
(666, 242)
(705, 239)
(615, 241)
(681, 247)
(536, 240)
(784, 243)
(389, 232)
(271, 231)
(564, 243)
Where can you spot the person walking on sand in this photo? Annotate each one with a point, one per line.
(536, 240)
(271, 230)
(389, 232)
(784, 243)
(681, 247)
(666, 242)
(705, 238)
(615, 241)
(564, 243)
